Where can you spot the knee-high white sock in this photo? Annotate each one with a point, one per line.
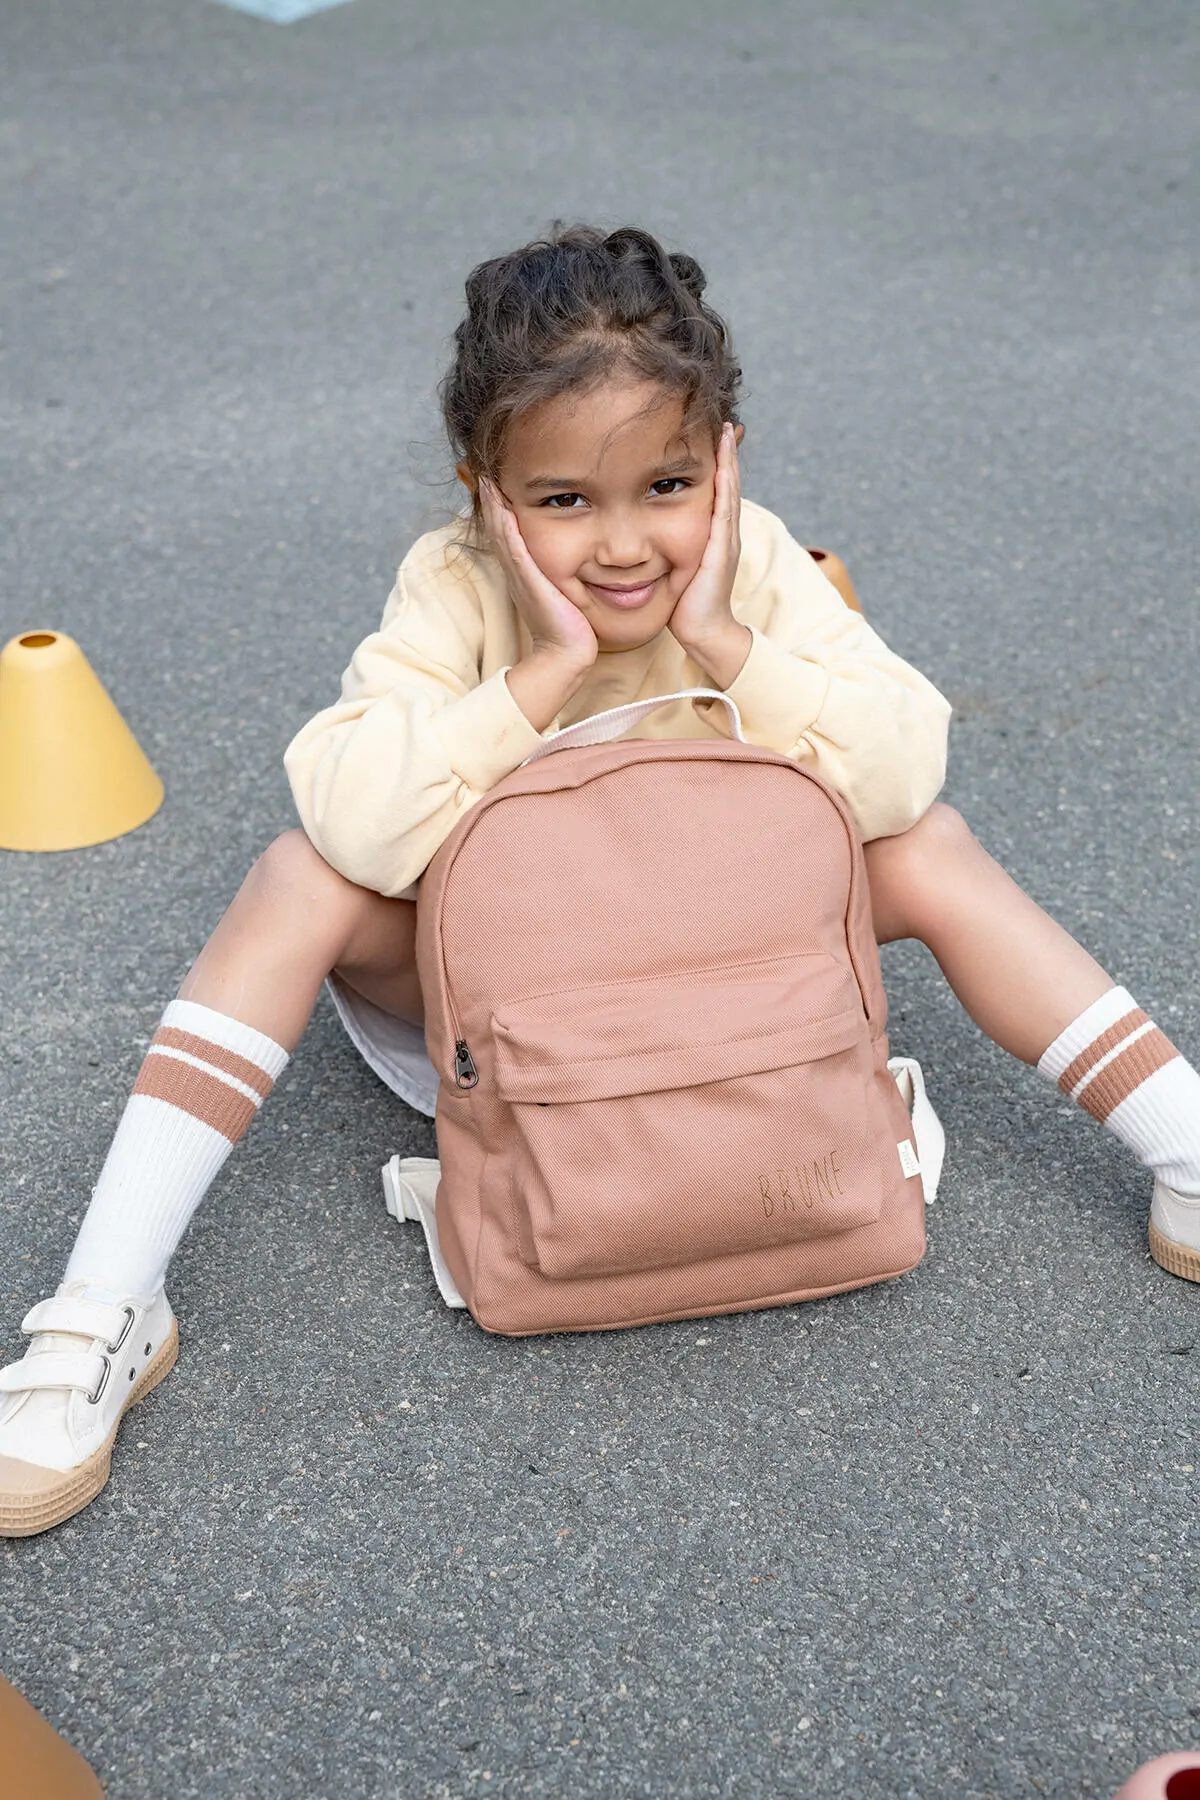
(1116, 1063)
(204, 1078)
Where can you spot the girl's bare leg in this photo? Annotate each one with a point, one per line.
(209, 1067)
(1020, 976)
(215, 1059)
(292, 921)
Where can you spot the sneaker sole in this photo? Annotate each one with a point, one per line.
(26, 1511)
(1177, 1259)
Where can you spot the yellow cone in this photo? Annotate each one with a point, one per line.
(71, 771)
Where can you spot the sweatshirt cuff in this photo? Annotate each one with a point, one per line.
(485, 735)
(778, 696)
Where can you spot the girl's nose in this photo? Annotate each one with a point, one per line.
(621, 543)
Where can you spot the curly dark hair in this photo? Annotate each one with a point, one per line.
(564, 313)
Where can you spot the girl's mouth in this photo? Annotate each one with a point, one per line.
(627, 598)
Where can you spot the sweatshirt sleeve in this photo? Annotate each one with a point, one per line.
(820, 685)
(381, 777)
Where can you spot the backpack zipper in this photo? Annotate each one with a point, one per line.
(466, 1075)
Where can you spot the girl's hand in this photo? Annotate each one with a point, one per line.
(555, 623)
(703, 612)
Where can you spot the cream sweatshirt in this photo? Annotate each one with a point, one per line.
(426, 723)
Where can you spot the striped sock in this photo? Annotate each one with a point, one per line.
(1118, 1065)
(204, 1078)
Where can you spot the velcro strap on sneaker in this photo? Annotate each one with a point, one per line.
(86, 1318)
(54, 1369)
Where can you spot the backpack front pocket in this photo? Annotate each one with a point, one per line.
(674, 1119)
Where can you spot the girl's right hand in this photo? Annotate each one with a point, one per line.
(555, 623)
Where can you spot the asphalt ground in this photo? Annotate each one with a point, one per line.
(935, 1538)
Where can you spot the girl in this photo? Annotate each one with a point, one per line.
(606, 556)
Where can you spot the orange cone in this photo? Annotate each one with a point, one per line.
(834, 569)
(37, 1764)
(71, 771)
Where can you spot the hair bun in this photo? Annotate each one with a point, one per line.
(689, 272)
(629, 243)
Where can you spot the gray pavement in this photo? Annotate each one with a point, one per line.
(931, 1539)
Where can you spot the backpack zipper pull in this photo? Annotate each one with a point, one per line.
(466, 1075)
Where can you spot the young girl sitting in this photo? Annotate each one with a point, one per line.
(607, 556)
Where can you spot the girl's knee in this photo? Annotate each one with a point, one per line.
(939, 833)
(914, 866)
(291, 874)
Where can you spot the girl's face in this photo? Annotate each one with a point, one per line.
(614, 501)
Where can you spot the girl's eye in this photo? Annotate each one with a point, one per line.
(568, 502)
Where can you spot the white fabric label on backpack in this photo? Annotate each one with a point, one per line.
(909, 1161)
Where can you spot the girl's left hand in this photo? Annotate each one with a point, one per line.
(703, 611)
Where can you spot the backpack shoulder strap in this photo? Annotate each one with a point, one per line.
(603, 727)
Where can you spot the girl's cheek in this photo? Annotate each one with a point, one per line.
(690, 546)
(541, 545)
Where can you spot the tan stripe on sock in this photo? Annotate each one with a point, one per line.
(1126, 1073)
(205, 1097)
(1108, 1040)
(228, 1061)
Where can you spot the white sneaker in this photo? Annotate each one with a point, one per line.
(61, 1404)
(1175, 1231)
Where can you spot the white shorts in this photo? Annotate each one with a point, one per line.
(393, 1048)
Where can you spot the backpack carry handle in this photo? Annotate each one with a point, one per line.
(603, 727)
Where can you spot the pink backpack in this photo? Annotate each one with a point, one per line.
(653, 999)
